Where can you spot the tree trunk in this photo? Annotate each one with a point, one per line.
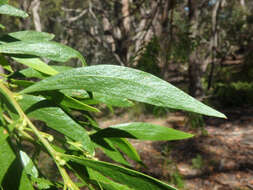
(35, 5)
(195, 70)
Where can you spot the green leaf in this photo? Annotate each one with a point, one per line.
(141, 131)
(111, 151)
(2, 26)
(3, 2)
(22, 83)
(68, 101)
(55, 118)
(31, 35)
(105, 182)
(16, 178)
(36, 64)
(12, 11)
(127, 83)
(126, 148)
(7, 156)
(28, 165)
(6, 100)
(80, 94)
(32, 73)
(124, 176)
(47, 49)
(4, 63)
(112, 100)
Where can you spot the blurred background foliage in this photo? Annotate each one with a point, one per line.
(204, 47)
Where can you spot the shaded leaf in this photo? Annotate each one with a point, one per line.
(16, 178)
(112, 100)
(4, 63)
(32, 73)
(68, 101)
(125, 83)
(12, 11)
(7, 155)
(111, 151)
(105, 182)
(126, 148)
(28, 165)
(55, 118)
(124, 176)
(22, 83)
(141, 131)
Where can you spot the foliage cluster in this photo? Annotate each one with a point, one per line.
(64, 99)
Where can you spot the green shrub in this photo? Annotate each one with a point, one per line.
(64, 100)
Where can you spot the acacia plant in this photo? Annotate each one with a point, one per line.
(63, 100)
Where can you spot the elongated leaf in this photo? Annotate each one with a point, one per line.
(127, 148)
(47, 49)
(31, 35)
(2, 26)
(55, 118)
(125, 83)
(31, 170)
(32, 73)
(105, 182)
(111, 151)
(7, 156)
(6, 99)
(28, 165)
(36, 64)
(68, 101)
(124, 176)
(28, 35)
(12, 11)
(4, 63)
(99, 98)
(16, 178)
(112, 100)
(22, 83)
(141, 131)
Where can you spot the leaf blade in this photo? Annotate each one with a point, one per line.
(131, 178)
(48, 49)
(7, 155)
(125, 83)
(57, 119)
(12, 11)
(31, 35)
(141, 131)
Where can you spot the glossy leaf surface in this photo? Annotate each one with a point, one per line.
(36, 64)
(47, 49)
(28, 165)
(125, 83)
(12, 11)
(31, 35)
(16, 178)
